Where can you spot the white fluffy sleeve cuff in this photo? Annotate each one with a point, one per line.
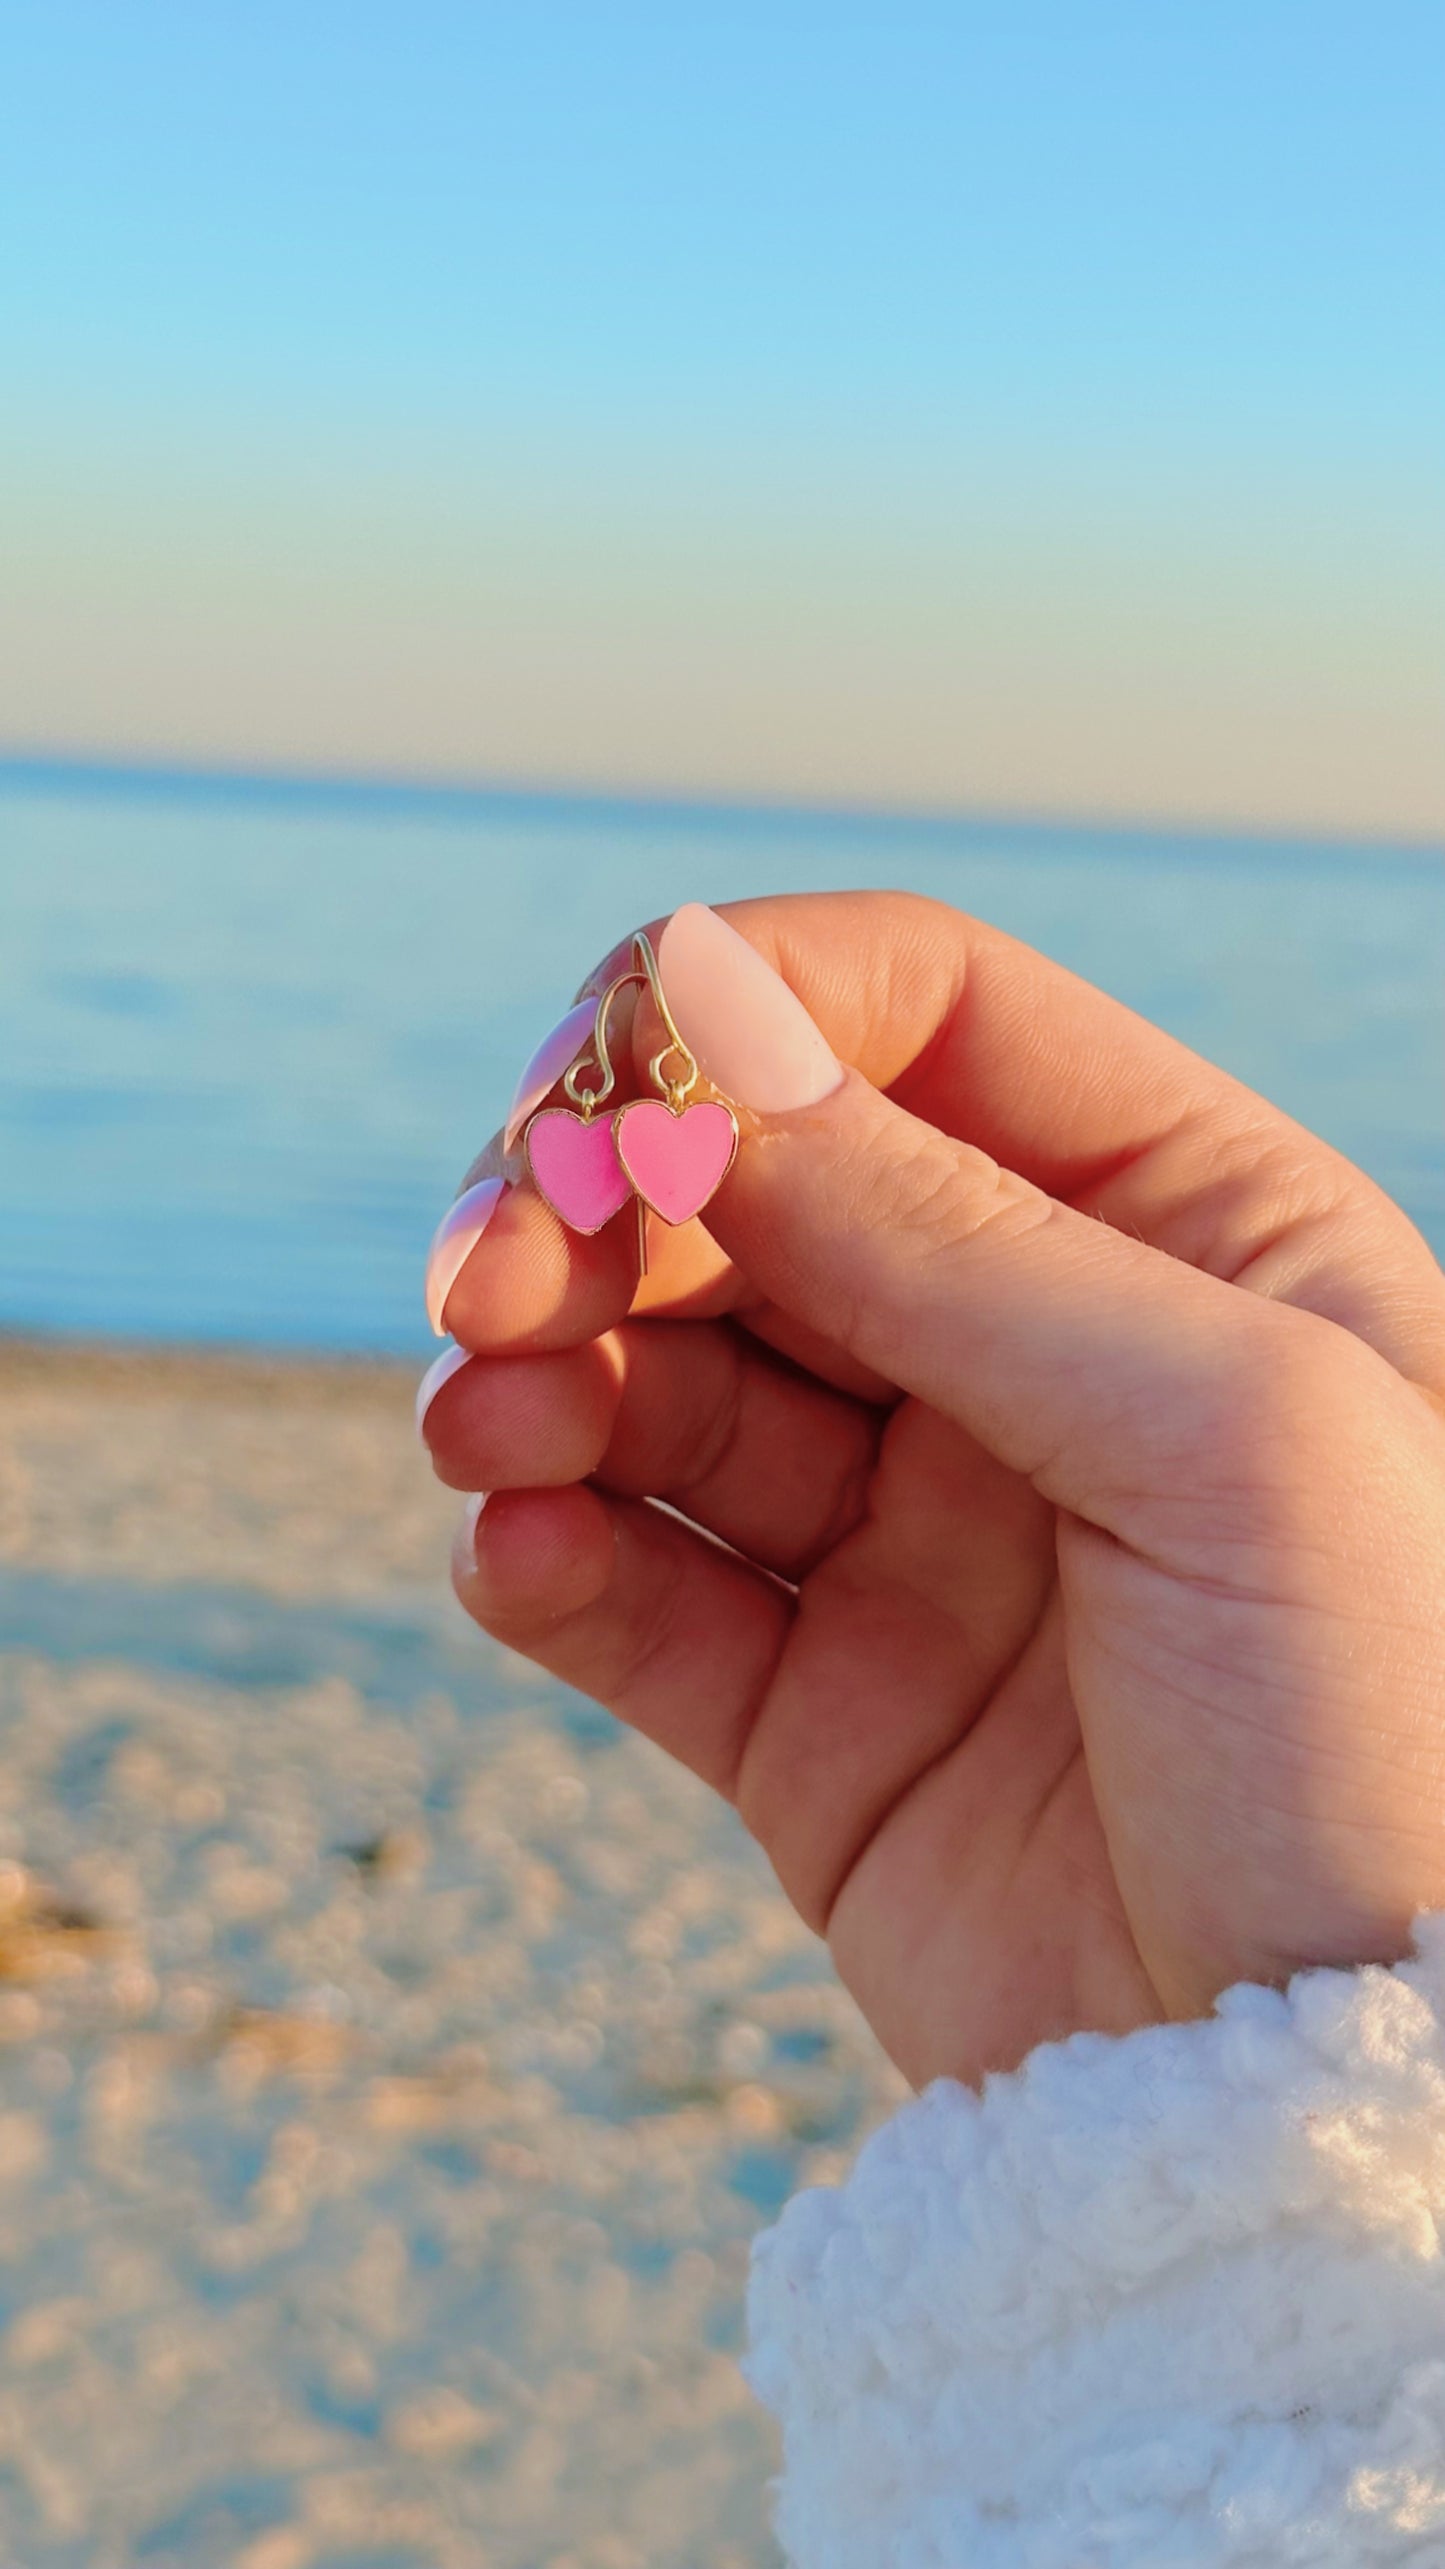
(1171, 2302)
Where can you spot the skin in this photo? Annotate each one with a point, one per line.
(1073, 1425)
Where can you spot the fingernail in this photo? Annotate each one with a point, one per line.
(752, 1035)
(555, 1053)
(449, 1362)
(457, 1235)
(464, 1542)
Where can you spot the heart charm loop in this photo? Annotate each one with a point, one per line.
(574, 1161)
(677, 1160)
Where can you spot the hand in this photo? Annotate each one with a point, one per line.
(1074, 1421)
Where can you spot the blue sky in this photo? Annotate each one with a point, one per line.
(1034, 405)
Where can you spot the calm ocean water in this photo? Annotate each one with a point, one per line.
(251, 1037)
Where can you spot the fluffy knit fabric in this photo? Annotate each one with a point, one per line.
(1170, 2302)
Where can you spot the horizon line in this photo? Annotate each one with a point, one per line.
(459, 798)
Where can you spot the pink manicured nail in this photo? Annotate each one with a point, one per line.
(457, 1235)
(753, 1037)
(556, 1053)
(449, 1362)
(464, 1544)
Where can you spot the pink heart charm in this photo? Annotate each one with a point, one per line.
(575, 1164)
(676, 1162)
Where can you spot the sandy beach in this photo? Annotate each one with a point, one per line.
(395, 2060)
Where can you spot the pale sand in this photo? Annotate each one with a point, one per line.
(395, 2060)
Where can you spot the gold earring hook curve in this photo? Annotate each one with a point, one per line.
(589, 1099)
(676, 1091)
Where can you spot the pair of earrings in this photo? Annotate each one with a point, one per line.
(670, 1156)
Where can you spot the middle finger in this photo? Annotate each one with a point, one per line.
(696, 1413)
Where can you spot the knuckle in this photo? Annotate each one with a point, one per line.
(1295, 1398)
(958, 1198)
(939, 1204)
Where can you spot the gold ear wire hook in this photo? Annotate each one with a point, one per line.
(589, 1099)
(676, 1091)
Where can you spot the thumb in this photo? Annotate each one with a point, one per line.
(1081, 1357)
